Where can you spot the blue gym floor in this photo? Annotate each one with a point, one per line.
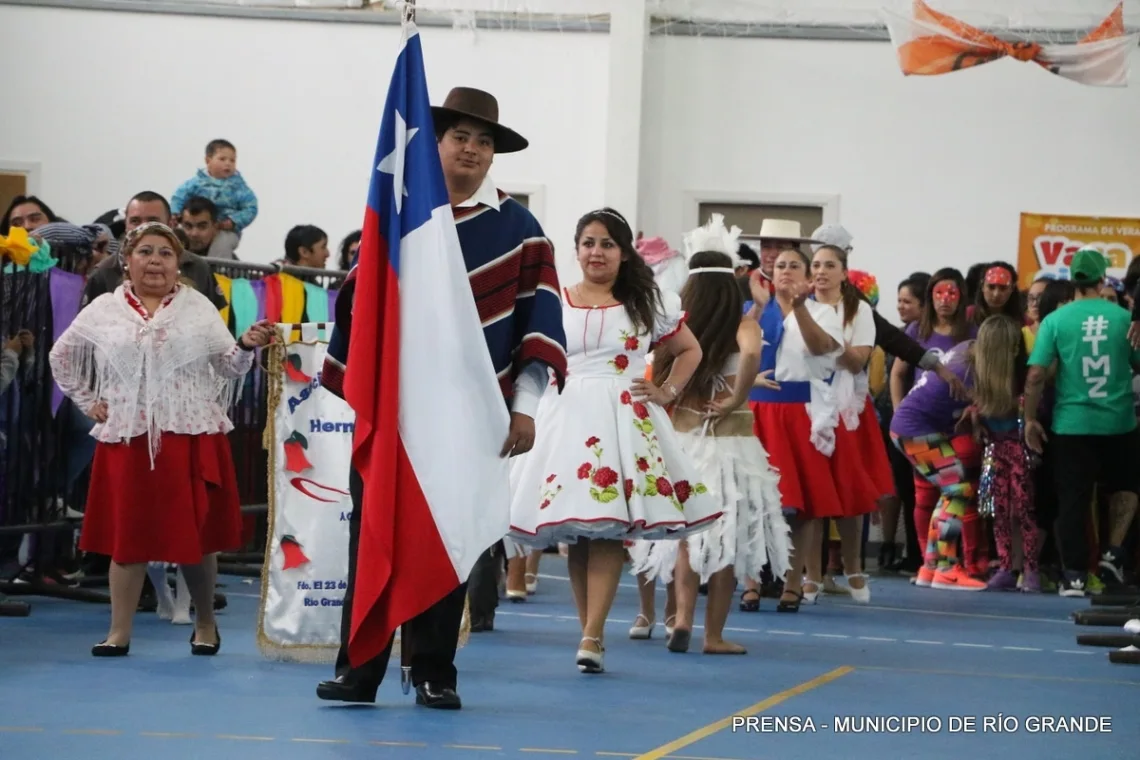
(911, 653)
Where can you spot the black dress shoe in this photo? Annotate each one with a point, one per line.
(482, 623)
(205, 650)
(429, 694)
(342, 689)
(110, 650)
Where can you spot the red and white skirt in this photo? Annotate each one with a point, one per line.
(861, 464)
(185, 508)
(807, 483)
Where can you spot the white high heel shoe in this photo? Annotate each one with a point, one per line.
(531, 583)
(590, 661)
(860, 595)
(641, 632)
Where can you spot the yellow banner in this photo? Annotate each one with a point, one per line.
(1048, 243)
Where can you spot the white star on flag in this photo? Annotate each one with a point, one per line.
(393, 163)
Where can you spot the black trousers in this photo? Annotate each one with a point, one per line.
(1079, 463)
(483, 585)
(433, 635)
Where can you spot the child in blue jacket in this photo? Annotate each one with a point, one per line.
(221, 183)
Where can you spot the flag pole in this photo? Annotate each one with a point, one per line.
(405, 629)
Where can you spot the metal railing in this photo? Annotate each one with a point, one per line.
(46, 451)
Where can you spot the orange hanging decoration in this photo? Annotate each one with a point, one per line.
(930, 43)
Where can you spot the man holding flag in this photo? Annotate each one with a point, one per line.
(448, 331)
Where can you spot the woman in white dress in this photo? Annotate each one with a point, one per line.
(607, 466)
(715, 425)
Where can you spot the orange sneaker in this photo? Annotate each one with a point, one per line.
(924, 578)
(957, 579)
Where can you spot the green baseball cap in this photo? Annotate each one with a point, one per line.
(1088, 265)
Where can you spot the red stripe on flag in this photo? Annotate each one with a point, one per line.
(402, 567)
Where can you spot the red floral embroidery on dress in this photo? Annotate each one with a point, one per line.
(656, 480)
(603, 479)
(620, 363)
(548, 493)
(631, 342)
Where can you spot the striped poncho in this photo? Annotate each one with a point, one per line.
(510, 263)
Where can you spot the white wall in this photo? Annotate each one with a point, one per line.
(927, 170)
(930, 170)
(303, 110)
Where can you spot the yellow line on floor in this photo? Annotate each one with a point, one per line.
(667, 750)
(239, 738)
(320, 741)
(20, 729)
(92, 732)
(397, 744)
(473, 746)
(1011, 676)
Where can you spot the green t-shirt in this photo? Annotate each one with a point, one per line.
(1089, 341)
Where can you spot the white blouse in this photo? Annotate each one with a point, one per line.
(853, 389)
(795, 363)
(176, 372)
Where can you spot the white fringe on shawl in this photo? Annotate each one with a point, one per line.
(155, 376)
(751, 533)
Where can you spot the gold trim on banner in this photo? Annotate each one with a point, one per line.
(274, 355)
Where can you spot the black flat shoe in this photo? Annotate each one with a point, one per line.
(342, 689)
(205, 650)
(437, 697)
(104, 649)
(750, 600)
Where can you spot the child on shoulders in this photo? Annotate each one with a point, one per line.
(221, 183)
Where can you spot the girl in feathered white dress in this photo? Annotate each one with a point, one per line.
(607, 466)
(715, 427)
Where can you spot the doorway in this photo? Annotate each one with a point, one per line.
(12, 184)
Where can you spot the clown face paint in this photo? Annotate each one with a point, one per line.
(946, 297)
(997, 287)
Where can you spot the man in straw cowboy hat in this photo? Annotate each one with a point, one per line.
(511, 268)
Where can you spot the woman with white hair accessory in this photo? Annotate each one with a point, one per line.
(715, 426)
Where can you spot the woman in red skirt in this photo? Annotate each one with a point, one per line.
(796, 422)
(860, 460)
(154, 365)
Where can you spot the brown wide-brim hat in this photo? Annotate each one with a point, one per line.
(469, 103)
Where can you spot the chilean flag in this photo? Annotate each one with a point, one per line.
(430, 417)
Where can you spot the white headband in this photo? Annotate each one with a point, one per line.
(721, 270)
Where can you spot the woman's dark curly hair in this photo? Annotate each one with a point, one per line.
(635, 288)
(714, 305)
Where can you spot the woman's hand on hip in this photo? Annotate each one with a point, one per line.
(98, 412)
(645, 391)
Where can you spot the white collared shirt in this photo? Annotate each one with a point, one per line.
(487, 195)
